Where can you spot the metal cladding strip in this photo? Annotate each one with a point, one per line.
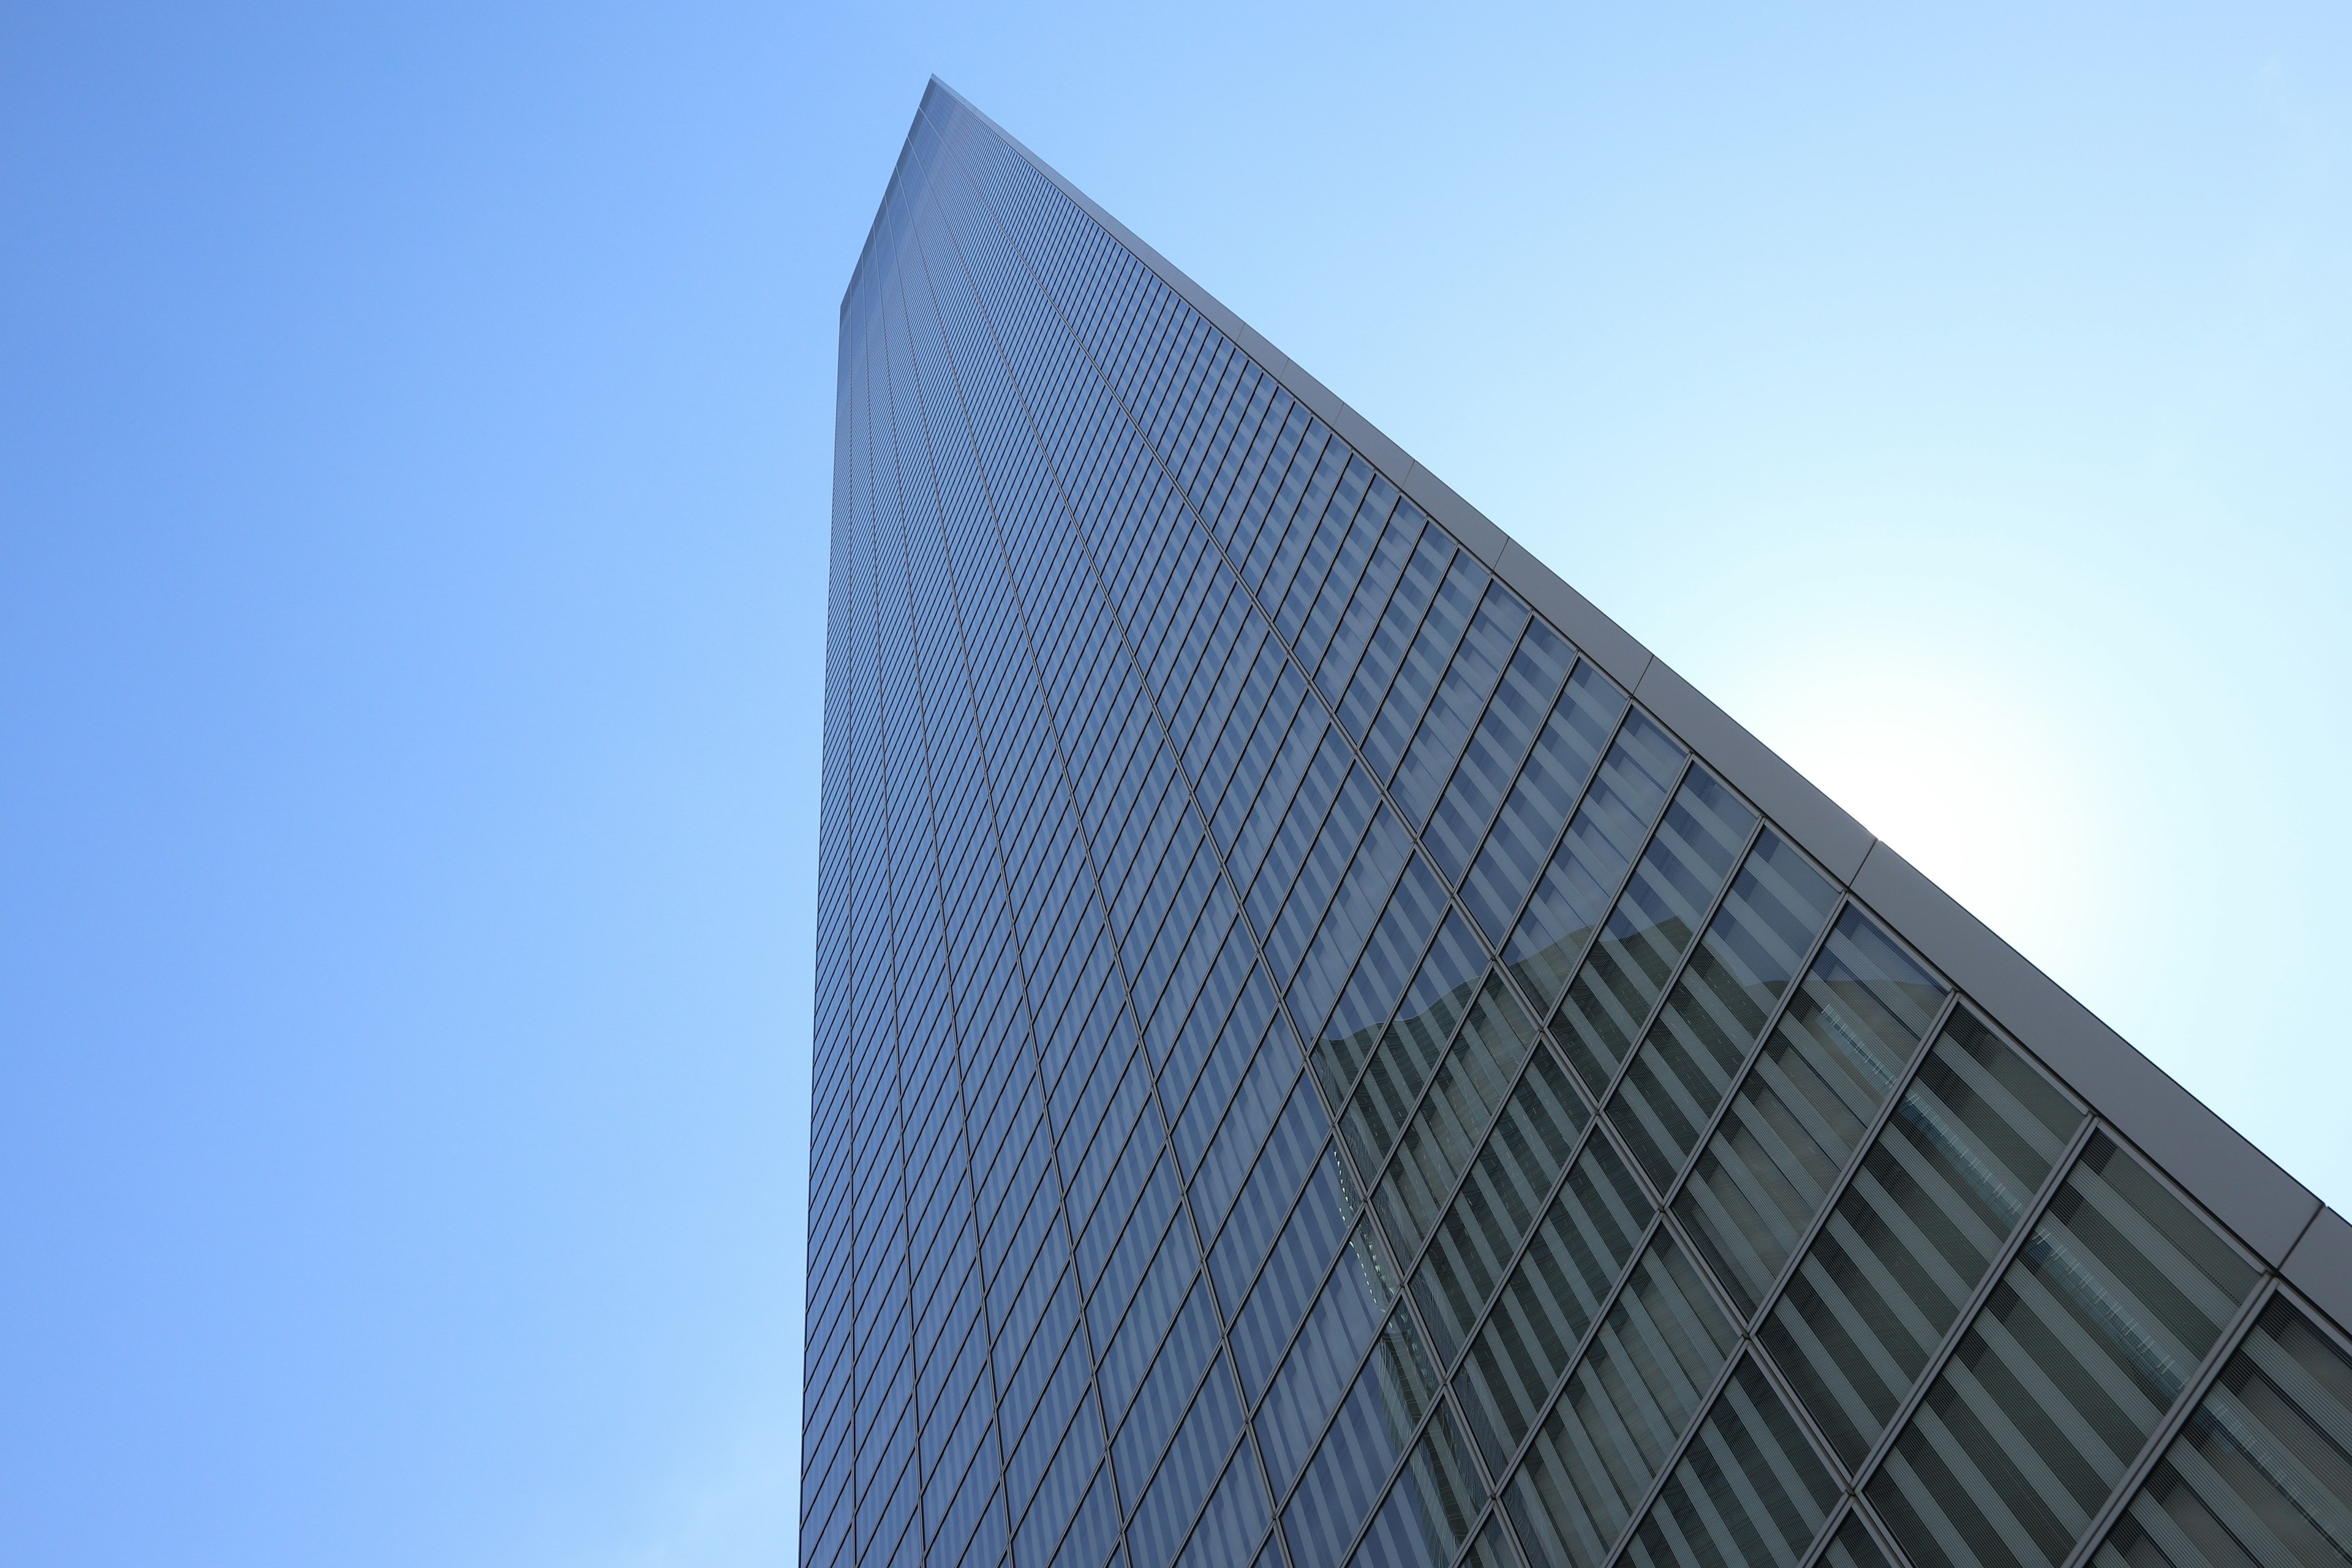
(2248, 1191)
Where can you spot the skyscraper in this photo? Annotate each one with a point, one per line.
(1330, 1053)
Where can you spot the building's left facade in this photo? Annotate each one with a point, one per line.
(1073, 1191)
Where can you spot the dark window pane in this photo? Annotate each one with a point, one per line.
(1430, 1507)
(1354, 1301)
(1460, 699)
(1749, 1488)
(1935, 1200)
(1487, 1053)
(1413, 1045)
(1374, 1426)
(1570, 1265)
(1574, 893)
(1627, 1401)
(1498, 1202)
(2083, 1345)
(1694, 851)
(1548, 787)
(2262, 1475)
(1353, 1032)
(1744, 963)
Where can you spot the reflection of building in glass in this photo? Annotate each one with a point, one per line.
(1328, 1053)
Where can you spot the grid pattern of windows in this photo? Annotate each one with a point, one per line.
(1311, 1073)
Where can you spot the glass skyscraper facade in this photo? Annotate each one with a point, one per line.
(1330, 1054)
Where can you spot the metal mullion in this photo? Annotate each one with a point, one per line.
(1496, 966)
(2231, 1333)
(1232, 716)
(1201, 446)
(1388, 687)
(1355, 1371)
(1159, 1458)
(1485, 1133)
(1301, 463)
(1200, 1510)
(1215, 392)
(1242, 917)
(1848, 1507)
(1263, 781)
(1331, 903)
(1289, 465)
(2028, 1214)
(1865, 1141)
(2185, 1404)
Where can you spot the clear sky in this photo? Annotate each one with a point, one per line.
(415, 432)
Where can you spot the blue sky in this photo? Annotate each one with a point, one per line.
(414, 425)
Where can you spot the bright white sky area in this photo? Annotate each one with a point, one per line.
(415, 432)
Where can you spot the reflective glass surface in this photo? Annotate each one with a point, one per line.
(1311, 1071)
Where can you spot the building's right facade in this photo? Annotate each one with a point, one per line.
(1328, 1053)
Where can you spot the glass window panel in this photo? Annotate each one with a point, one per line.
(1292, 1150)
(1166, 1390)
(1696, 845)
(1853, 1547)
(1933, 1204)
(1289, 524)
(1375, 1423)
(1232, 1523)
(1413, 1043)
(1265, 1092)
(1294, 1268)
(1493, 1548)
(1515, 714)
(1430, 1509)
(1370, 601)
(2261, 1476)
(1331, 955)
(1399, 622)
(1454, 709)
(1323, 1358)
(1570, 743)
(1357, 562)
(1289, 594)
(1498, 1202)
(2082, 1348)
(1425, 664)
(1749, 1489)
(1478, 1071)
(1353, 1031)
(1650, 1365)
(1744, 961)
(1574, 892)
(1554, 1293)
(1800, 1114)
(1194, 1460)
